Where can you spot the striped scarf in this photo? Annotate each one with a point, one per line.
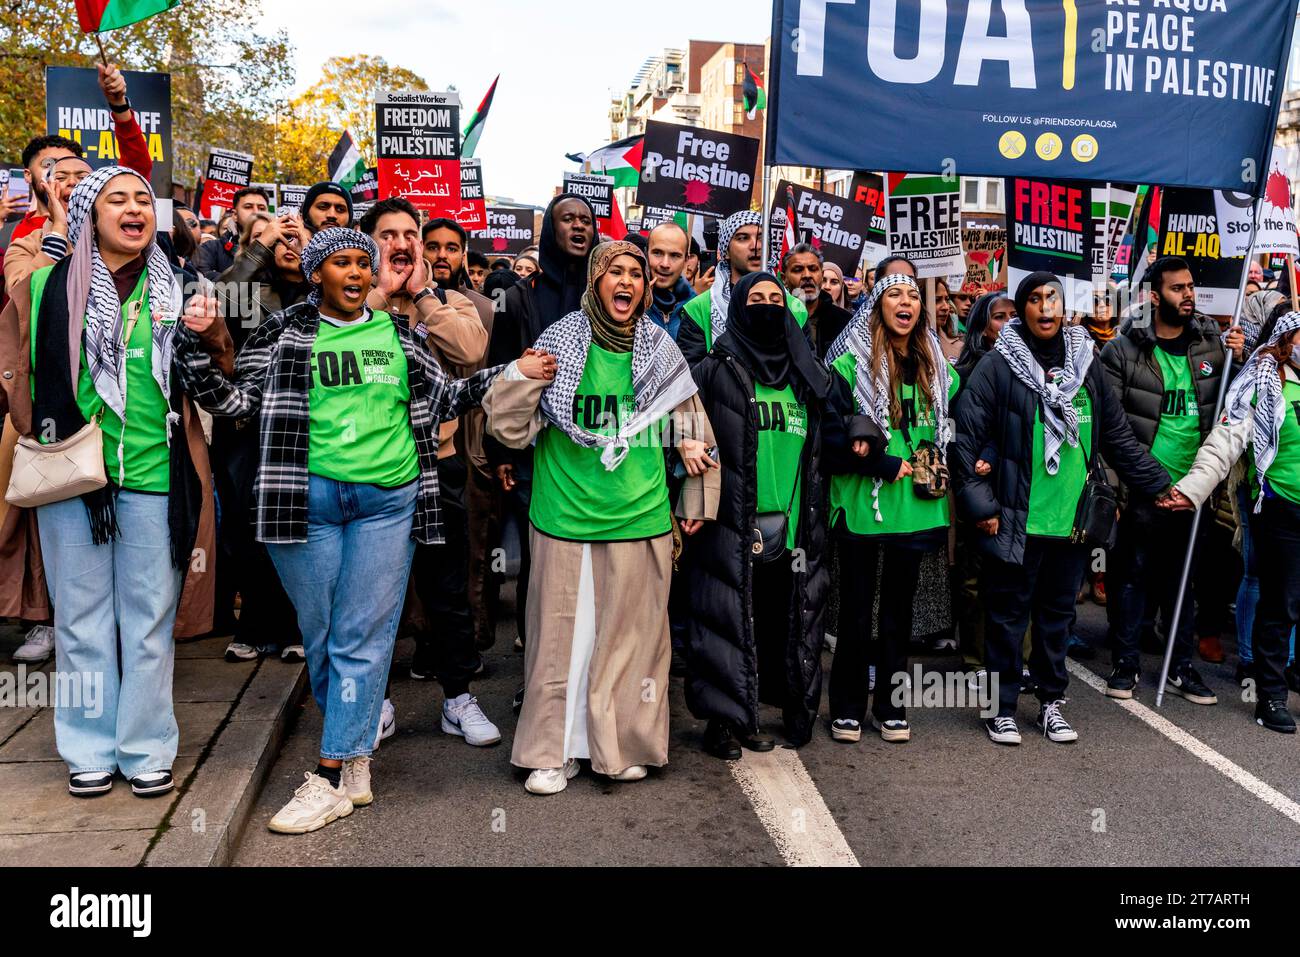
(720, 294)
(1257, 392)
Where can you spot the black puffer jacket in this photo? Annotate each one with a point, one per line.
(996, 411)
(1133, 373)
(722, 655)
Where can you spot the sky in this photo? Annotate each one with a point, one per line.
(559, 61)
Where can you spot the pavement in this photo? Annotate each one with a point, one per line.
(232, 721)
(1184, 785)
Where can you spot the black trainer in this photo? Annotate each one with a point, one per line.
(1273, 714)
(1186, 683)
(720, 742)
(153, 784)
(90, 783)
(1123, 681)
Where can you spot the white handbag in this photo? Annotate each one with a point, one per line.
(58, 471)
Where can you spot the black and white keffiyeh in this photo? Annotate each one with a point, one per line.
(1257, 391)
(325, 244)
(661, 381)
(720, 295)
(872, 373)
(1060, 420)
(93, 294)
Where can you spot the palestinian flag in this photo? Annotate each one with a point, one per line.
(790, 237)
(347, 166)
(97, 16)
(753, 92)
(474, 128)
(621, 160)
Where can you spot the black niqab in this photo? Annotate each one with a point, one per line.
(773, 357)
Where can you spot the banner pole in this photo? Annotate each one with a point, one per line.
(103, 57)
(1196, 518)
(1295, 297)
(767, 216)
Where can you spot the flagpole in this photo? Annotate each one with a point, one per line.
(103, 57)
(769, 148)
(1196, 518)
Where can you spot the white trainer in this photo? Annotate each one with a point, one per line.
(634, 773)
(387, 722)
(551, 780)
(355, 780)
(463, 717)
(314, 805)
(38, 646)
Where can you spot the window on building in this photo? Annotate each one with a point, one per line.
(738, 114)
(971, 192)
(993, 193)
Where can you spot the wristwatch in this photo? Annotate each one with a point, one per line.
(123, 107)
(421, 295)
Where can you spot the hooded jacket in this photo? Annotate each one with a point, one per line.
(721, 650)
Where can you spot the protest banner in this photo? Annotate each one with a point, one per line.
(473, 206)
(509, 231)
(985, 249)
(1232, 210)
(227, 173)
(836, 225)
(1189, 229)
(417, 137)
(924, 214)
(1119, 213)
(272, 195)
(75, 108)
(1276, 231)
(694, 170)
(595, 189)
(869, 189)
(1049, 227)
(365, 189)
(292, 196)
(1035, 88)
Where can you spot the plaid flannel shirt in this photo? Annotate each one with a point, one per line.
(273, 376)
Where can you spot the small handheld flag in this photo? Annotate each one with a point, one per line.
(474, 128)
(98, 16)
(755, 96)
(790, 238)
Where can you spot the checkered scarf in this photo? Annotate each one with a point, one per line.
(1257, 391)
(1060, 420)
(93, 295)
(720, 295)
(661, 381)
(325, 244)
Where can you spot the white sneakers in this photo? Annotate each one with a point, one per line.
(463, 717)
(634, 773)
(355, 780)
(551, 780)
(240, 651)
(387, 722)
(38, 646)
(314, 805)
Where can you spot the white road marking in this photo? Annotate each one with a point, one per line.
(791, 808)
(1229, 769)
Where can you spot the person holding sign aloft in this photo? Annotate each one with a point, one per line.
(1263, 414)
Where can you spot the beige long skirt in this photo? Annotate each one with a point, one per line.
(596, 655)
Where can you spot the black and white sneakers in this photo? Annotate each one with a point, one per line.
(1053, 724)
(90, 783)
(1273, 714)
(1186, 683)
(153, 784)
(1002, 730)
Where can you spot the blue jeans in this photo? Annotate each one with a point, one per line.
(347, 583)
(1248, 590)
(114, 607)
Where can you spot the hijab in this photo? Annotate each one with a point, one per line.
(768, 342)
(605, 331)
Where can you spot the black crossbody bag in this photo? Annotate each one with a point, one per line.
(1095, 522)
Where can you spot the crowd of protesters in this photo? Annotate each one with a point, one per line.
(327, 423)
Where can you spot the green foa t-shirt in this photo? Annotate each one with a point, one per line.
(901, 511)
(1178, 435)
(1284, 474)
(700, 311)
(574, 497)
(145, 464)
(1054, 499)
(359, 405)
(782, 429)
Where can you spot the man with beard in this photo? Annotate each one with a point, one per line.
(1166, 373)
(740, 252)
(666, 251)
(445, 243)
(567, 238)
(801, 271)
(450, 326)
(326, 204)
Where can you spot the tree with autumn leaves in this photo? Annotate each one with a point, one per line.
(230, 85)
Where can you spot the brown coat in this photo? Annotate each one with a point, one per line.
(20, 549)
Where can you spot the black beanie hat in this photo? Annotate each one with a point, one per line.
(326, 187)
(1031, 282)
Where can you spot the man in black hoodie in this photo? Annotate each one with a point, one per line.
(567, 239)
(1165, 368)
